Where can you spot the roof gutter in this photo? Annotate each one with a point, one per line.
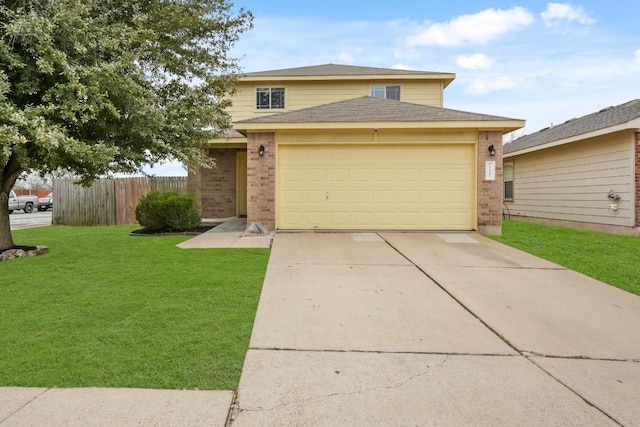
(504, 126)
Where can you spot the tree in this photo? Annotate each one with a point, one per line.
(90, 87)
(34, 181)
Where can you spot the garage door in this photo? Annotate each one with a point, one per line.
(415, 187)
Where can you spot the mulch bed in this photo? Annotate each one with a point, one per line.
(173, 232)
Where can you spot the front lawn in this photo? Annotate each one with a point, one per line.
(609, 258)
(105, 309)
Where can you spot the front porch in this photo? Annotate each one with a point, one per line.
(222, 190)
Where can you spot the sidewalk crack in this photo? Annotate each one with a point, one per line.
(427, 371)
(23, 406)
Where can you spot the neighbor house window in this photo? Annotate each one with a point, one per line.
(508, 181)
(269, 98)
(386, 92)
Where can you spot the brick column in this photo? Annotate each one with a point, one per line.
(261, 179)
(489, 192)
(194, 183)
(637, 179)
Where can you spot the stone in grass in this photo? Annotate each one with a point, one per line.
(23, 251)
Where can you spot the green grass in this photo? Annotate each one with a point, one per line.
(106, 309)
(609, 258)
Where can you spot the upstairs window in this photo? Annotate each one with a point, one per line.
(386, 92)
(270, 98)
(508, 181)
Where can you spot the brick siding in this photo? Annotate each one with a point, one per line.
(489, 192)
(261, 180)
(637, 179)
(216, 188)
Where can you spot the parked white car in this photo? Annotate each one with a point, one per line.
(26, 203)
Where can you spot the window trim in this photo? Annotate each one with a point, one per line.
(270, 88)
(386, 88)
(506, 163)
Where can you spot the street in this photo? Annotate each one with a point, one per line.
(19, 219)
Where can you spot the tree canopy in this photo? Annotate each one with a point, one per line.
(97, 86)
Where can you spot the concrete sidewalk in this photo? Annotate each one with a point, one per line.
(229, 234)
(112, 407)
(435, 329)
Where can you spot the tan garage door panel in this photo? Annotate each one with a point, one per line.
(427, 187)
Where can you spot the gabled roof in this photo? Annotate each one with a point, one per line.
(603, 119)
(346, 72)
(368, 109)
(338, 70)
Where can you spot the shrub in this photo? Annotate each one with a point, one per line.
(161, 210)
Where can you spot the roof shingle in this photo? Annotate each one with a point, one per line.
(370, 109)
(604, 118)
(337, 70)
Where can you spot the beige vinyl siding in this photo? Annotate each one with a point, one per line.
(571, 182)
(313, 93)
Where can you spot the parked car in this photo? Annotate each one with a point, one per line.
(26, 203)
(46, 202)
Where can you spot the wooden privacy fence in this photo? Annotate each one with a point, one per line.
(107, 201)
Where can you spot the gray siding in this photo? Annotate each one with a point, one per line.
(571, 182)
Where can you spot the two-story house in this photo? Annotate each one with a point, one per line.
(336, 147)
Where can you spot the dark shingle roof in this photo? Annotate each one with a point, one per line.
(370, 109)
(337, 70)
(232, 133)
(605, 118)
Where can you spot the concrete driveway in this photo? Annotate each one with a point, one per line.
(435, 329)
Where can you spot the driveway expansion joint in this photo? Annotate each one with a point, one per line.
(530, 354)
(486, 325)
(584, 399)
(333, 264)
(498, 267)
(234, 409)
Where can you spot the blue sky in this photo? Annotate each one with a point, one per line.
(539, 61)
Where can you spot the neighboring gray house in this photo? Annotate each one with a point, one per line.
(584, 173)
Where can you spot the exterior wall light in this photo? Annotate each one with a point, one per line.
(492, 150)
(261, 150)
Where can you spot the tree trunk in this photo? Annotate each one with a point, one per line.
(8, 176)
(6, 240)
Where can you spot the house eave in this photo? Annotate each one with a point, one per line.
(504, 126)
(633, 125)
(223, 144)
(447, 78)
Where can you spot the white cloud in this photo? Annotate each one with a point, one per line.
(402, 67)
(480, 86)
(638, 56)
(477, 61)
(559, 13)
(479, 28)
(407, 53)
(346, 58)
